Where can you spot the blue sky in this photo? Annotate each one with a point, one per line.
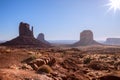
(59, 19)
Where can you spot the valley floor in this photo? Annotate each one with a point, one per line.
(60, 63)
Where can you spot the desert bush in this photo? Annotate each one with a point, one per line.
(44, 69)
(117, 65)
(115, 57)
(75, 49)
(98, 65)
(31, 58)
(87, 60)
(81, 55)
(35, 56)
(52, 62)
(109, 77)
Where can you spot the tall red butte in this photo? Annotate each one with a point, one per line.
(86, 38)
(42, 38)
(25, 38)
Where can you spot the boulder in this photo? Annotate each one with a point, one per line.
(43, 61)
(86, 38)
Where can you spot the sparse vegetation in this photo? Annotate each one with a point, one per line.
(103, 56)
(35, 56)
(87, 60)
(44, 69)
(98, 65)
(91, 62)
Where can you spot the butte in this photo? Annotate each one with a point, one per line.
(86, 38)
(25, 38)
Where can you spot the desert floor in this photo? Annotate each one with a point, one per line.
(60, 63)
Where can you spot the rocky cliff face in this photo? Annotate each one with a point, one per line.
(25, 38)
(24, 30)
(113, 41)
(42, 38)
(86, 38)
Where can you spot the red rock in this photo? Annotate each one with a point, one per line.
(25, 38)
(42, 38)
(86, 38)
(24, 30)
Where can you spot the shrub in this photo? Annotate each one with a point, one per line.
(35, 56)
(44, 69)
(87, 60)
(98, 65)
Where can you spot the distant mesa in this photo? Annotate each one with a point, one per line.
(25, 38)
(86, 38)
(41, 38)
(112, 41)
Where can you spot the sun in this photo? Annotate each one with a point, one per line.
(114, 4)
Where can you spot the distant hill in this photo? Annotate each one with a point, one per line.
(66, 41)
(25, 38)
(62, 41)
(2, 41)
(113, 41)
(58, 41)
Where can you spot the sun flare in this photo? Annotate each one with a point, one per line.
(114, 4)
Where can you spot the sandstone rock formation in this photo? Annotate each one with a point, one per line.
(24, 30)
(86, 38)
(25, 38)
(42, 38)
(113, 41)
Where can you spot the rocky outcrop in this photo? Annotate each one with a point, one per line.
(36, 63)
(86, 38)
(42, 38)
(24, 30)
(25, 38)
(113, 41)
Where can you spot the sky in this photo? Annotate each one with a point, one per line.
(59, 19)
